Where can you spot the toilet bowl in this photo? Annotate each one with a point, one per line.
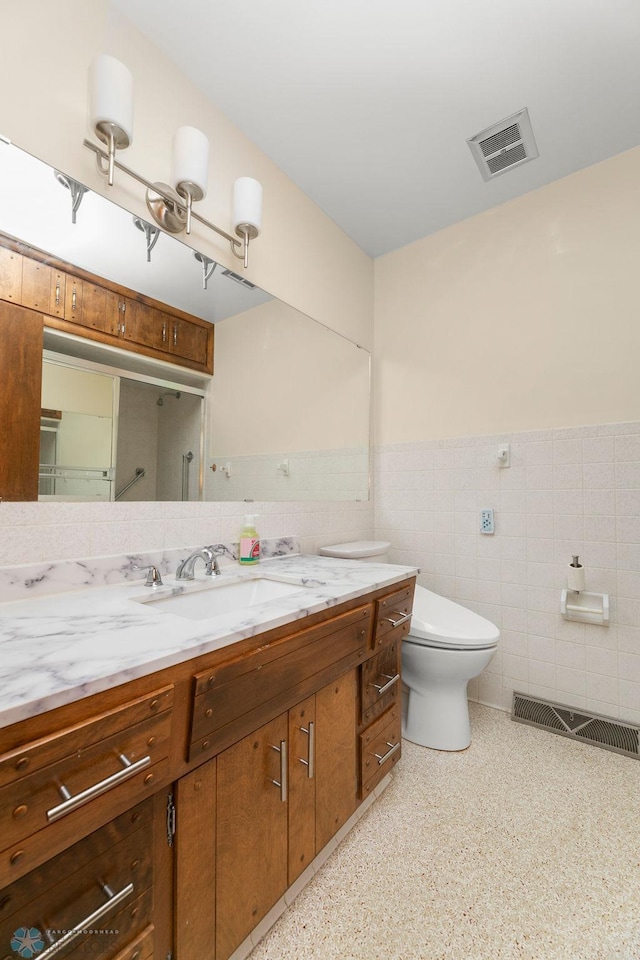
(446, 647)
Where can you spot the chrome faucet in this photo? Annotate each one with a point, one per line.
(154, 578)
(185, 567)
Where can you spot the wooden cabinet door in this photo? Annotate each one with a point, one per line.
(195, 863)
(336, 757)
(10, 275)
(20, 400)
(36, 285)
(175, 336)
(251, 843)
(131, 318)
(94, 306)
(58, 287)
(302, 787)
(188, 340)
(73, 300)
(143, 326)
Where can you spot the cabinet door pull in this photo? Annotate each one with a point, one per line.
(382, 759)
(57, 293)
(164, 331)
(282, 782)
(403, 619)
(72, 803)
(74, 299)
(124, 310)
(386, 686)
(310, 763)
(88, 922)
(175, 334)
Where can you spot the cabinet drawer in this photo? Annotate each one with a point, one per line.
(99, 883)
(140, 948)
(116, 933)
(380, 682)
(240, 696)
(49, 779)
(380, 749)
(393, 617)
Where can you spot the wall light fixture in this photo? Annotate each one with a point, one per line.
(111, 119)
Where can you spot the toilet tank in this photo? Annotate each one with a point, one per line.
(371, 551)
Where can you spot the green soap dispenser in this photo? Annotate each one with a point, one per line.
(249, 551)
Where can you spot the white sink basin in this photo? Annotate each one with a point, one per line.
(216, 599)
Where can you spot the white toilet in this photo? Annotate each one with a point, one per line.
(447, 646)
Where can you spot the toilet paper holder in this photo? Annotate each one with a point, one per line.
(585, 607)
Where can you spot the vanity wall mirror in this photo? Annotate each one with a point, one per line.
(287, 406)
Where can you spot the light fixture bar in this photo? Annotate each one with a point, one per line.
(239, 248)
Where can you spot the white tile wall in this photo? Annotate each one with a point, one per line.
(569, 491)
(33, 532)
(342, 474)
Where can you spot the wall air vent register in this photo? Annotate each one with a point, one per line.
(593, 728)
(503, 146)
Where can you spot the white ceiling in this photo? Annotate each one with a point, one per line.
(367, 104)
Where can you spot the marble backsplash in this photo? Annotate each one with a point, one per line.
(62, 576)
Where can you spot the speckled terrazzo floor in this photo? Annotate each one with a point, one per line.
(527, 846)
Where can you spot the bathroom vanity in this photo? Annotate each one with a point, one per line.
(169, 782)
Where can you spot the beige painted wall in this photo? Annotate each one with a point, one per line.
(82, 391)
(302, 257)
(285, 383)
(523, 317)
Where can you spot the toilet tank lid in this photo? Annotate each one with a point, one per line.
(355, 549)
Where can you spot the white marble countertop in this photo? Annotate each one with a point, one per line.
(61, 648)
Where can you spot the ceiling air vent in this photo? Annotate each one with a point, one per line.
(504, 145)
(238, 279)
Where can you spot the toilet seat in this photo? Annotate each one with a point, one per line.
(438, 622)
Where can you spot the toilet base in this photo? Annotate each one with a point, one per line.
(439, 720)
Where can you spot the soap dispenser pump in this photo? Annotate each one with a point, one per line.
(249, 547)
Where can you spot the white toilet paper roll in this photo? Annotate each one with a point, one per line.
(575, 577)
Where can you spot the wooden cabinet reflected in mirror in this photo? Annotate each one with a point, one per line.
(20, 388)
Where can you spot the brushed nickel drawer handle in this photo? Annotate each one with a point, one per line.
(385, 686)
(282, 782)
(88, 922)
(389, 753)
(310, 764)
(397, 623)
(72, 803)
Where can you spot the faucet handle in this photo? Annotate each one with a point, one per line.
(210, 561)
(154, 578)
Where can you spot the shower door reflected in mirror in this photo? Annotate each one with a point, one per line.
(77, 434)
(159, 431)
(104, 436)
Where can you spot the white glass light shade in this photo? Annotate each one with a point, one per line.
(190, 162)
(247, 206)
(111, 100)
